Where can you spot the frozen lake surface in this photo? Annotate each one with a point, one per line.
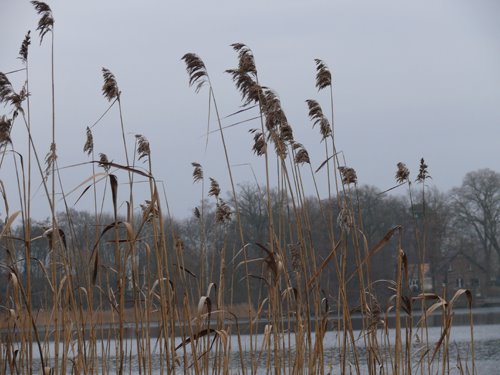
(486, 339)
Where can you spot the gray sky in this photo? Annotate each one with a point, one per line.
(411, 79)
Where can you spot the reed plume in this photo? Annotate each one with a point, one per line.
(222, 212)
(46, 21)
(23, 51)
(214, 188)
(423, 174)
(50, 159)
(348, 175)
(143, 148)
(88, 147)
(301, 154)
(259, 145)
(110, 87)
(197, 213)
(246, 63)
(196, 70)
(104, 162)
(403, 173)
(6, 90)
(323, 75)
(5, 127)
(197, 172)
(245, 76)
(318, 118)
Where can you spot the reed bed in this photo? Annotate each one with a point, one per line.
(123, 294)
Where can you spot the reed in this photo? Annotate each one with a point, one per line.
(118, 292)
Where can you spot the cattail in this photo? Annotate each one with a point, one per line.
(197, 172)
(46, 21)
(23, 51)
(214, 188)
(5, 127)
(402, 173)
(222, 212)
(348, 175)
(104, 162)
(323, 75)
(88, 147)
(110, 87)
(423, 174)
(196, 70)
(142, 146)
(318, 118)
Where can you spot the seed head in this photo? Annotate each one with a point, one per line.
(222, 212)
(323, 75)
(214, 188)
(110, 87)
(5, 126)
(402, 173)
(196, 70)
(423, 174)
(196, 212)
(318, 118)
(197, 172)
(302, 156)
(348, 175)
(104, 162)
(46, 21)
(23, 51)
(88, 147)
(143, 149)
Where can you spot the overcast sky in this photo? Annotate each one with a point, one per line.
(411, 79)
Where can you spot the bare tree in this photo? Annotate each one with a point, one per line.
(476, 206)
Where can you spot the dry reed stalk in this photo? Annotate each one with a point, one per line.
(172, 292)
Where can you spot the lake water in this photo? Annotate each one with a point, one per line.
(486, 339)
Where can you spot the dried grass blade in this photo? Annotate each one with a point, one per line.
(82, 194)
(458, 293)
(8, 223)
(196, 336)
(113, 180)
(323, 265)
(88, 179)
(124, 167)
(324, 163)
(182, 268)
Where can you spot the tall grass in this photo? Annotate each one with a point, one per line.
(119, 296)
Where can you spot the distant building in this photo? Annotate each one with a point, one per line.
(461, 272)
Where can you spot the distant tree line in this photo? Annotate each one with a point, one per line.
(436, 227)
